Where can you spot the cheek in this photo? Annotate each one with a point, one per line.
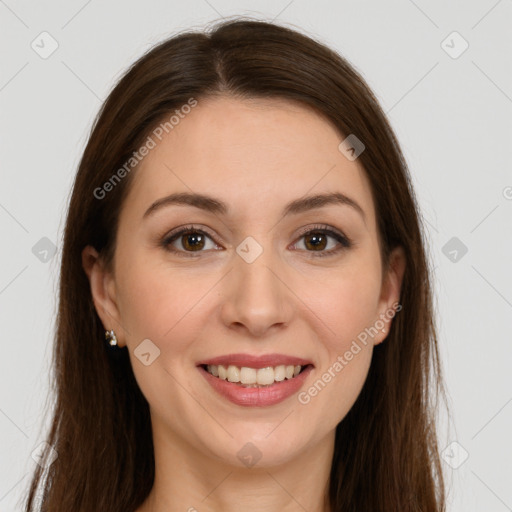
(339, 384)
(345, 350)
(346, 303)
(161, 304)
(167, 309)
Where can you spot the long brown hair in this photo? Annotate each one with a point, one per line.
(386, 454)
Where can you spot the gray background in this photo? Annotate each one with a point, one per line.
(451, 112)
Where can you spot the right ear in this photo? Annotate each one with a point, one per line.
(103, 290)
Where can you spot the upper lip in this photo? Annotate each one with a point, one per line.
(254, 361)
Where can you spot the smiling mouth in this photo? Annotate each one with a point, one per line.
(255, 377)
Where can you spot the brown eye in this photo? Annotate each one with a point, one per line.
(188, 240)
(317, 240)
(193, 241)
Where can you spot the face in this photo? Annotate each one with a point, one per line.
(255, 279)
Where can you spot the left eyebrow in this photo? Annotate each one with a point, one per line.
(217, 206)
(320, 200)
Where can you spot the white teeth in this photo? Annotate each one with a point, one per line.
(252, 376)
(265, 376)
(233, 373)
(280, 373)
(223, 374)
(248, 375)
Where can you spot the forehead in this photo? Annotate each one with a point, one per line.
(254, 154)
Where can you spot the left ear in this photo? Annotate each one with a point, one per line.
(390, 292)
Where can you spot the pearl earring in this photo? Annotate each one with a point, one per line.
(111, 337)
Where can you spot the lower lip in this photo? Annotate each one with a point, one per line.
(256, 397)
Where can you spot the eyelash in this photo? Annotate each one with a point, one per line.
(344, 241)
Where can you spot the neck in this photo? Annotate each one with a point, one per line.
(189, 479)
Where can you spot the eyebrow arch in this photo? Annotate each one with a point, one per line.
(217, 206)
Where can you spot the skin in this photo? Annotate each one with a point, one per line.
(255, 155)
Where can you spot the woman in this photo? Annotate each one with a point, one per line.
(244, 232)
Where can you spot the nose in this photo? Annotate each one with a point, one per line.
(257, 298)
